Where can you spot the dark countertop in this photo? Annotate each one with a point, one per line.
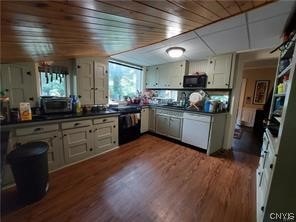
(184, 109)
(58, 118)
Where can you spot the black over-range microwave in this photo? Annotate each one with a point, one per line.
(195, 81)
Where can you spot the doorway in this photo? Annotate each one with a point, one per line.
(253, 106)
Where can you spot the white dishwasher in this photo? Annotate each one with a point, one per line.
(196, 130)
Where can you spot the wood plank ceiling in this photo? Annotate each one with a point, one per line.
(43, 30)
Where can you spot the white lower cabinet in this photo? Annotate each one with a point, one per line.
(196, 130)
(169, 123)
(105, 134)
(55, 146)
(78, 143)
(204, 131)
(144, 120)
(152, 119)
(264, 175)
(69, 141)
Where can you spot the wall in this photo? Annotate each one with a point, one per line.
(257, 74)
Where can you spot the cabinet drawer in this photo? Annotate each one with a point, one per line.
(36, 129)
(76, 124)
(105, 120)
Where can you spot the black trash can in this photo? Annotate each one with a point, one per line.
(30, 169)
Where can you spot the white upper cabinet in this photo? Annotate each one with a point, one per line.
(92, 81)
(18, 81)
(101, 83)
(219, 71)
(169, 75)
(85, 83)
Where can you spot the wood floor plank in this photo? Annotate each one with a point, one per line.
(150, 179)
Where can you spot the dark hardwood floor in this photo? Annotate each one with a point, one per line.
(149, 179)
(249, 142)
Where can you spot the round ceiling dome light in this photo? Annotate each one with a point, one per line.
(175, 52)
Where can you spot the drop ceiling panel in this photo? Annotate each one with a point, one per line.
(196, 49)
(266, 33)
(273, 9)
(226, 24)
(228, 41)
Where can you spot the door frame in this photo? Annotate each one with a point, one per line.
(241, 59)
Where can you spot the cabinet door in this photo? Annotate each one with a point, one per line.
(163, 75)
(78, 144)
(20, 83)
(219, 69)
(151, 77)
(175, 74)
(55, 150)
(144, 120)
(85, 81)
(152, 120)
(162, 124)
(175, 128)
(101, 84)
(104, 136)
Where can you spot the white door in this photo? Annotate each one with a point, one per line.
(104, 136)
(152, 120)
(55, 146)
(175, 128)
(144, 120)
(19, 84)
(78, 143)
(151, 77)
(162, 124)
(85, 81)
(219, 69)
(163, 73)
(175, 74)
(101, 84)
(196, 133)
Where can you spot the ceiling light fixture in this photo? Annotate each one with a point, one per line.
(175, 52)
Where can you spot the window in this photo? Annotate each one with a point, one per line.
(53, 85)
(124, 81)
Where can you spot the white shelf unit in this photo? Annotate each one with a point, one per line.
(279, 151)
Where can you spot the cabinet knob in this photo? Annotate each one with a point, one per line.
(211, 62)
(28, 73)
(271, 166)
(114, 126)
(104, 120)
(209, 82)
(31, 98)
(90, 131)
(262, 208)
(180, 83)
(65, 134)
(156, 83)
(54, 136)
(114, 142)
(78, 67)
(106, 97)
(91, 149)
(79, 96)
(6, 90)
(226, 84)
(76, 124)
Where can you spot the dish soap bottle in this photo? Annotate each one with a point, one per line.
(78, 105)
